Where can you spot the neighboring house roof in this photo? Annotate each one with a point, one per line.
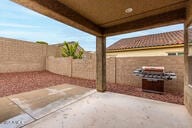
(155, 40)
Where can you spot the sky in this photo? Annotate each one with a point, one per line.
(18, 22)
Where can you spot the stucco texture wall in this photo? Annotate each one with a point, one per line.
(120, 70)
(147, 52)
(188, 86)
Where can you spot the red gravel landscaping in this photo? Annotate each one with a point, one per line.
(13, 83)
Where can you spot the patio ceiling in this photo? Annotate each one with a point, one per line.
(108, 17)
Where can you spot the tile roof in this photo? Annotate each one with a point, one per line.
(161, 39)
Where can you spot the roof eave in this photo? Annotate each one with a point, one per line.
(145, 48)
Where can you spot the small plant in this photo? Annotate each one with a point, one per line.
(41, 42)
(71, 49)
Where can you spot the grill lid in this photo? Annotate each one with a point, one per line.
(152, 68)
(154, 73)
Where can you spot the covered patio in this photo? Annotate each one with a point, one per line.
(71, 106)
(109, 18)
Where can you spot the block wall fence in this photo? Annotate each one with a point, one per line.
(22, 56)
(120, 70)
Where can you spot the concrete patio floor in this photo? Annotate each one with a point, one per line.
(69, 106)
(21, 109)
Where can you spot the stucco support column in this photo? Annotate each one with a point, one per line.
(101, 63)
(186, 61)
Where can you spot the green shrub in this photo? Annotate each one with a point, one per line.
(41, 42)
(71, 49)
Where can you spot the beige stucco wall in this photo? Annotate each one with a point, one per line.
(189, 13)
(120, 70)
(188, 98)
(22, 56)
(149, 52)
(188, 87)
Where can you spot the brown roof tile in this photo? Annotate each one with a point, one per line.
(162, 39)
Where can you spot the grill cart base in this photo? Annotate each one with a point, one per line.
(153, 78)
(156, 86)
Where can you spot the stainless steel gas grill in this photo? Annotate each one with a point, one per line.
(153, 78)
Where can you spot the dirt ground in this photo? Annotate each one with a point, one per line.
(13, 83)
